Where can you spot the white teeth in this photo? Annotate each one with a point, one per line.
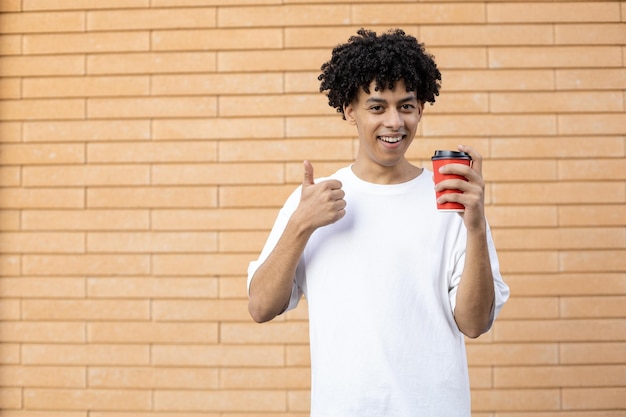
(391, 139)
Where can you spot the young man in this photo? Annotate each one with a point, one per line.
(392, 284)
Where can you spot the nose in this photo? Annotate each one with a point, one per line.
(394, 119)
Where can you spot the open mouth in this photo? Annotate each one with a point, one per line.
(391, 139)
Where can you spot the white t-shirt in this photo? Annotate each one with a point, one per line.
(381, 288)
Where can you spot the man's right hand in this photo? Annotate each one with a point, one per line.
(321, 204)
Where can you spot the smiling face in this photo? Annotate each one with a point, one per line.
(386, 122)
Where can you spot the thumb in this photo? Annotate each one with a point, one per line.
(308, 174)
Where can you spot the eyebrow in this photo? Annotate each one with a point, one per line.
(383, 101)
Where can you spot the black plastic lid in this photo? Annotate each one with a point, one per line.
(451, 155)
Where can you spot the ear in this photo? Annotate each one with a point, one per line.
(348, 113)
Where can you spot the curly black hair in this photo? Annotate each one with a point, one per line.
(385, 59)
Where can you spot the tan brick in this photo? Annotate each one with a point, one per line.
(96, 265)
(600, 124)
(600, 169)
(82, 4)
(218, 84)
(519, 399)
(154, 107)
(10, 264)
(475, 35)
(278, 15)
(11, 6)
(42, 332)
(144, 377)
(521, 216)
(319, 127)
(24, 287)
(299, 400)
(563, 102)
(22, 66)
(10, 177)
(515, 262)
(452, 103)
(592, 215)
(42, 243)
(76, 399)
(233, 287)
(471, 58)
(225, 219)
(43, 376)
(85, 220)
(273, 105)
(558, 376)
(593, 260)
(85, 175)
(222, 400)
(557, 147)
(590, 307)
(599, 330)
(220, 128)
(206, 264)
(267, 378)
(86, 86)
(10, 398)
(313, 37)
(42, 109)
(85, 354)
(86, 131)
(554, 57)
(85, 310)
(154, 197)
(10, 353)
(530, 308)
(218, 355)
(573, 192)
(269, 333)
(47, 154)
(286, 150)
(219, 174)
(10, 310)
(514, 354)
(9, 220)
(572, 284)
(501, 80)
(295, 170)
(147, 332)
(42, 198)
(201, 310)
(596, 78)
(559, 238)
(150, 19)
(151, 63)
(149, 242)
(592, 353)
(43, 22)
(162, 151)
(271, 60)
(495, 124)
(217, 39)
(428, 14)
(553, 12)
(595, 398)
(140, 287)
(590, 34)
(86, 43)
(10, 88)
(520, 170)
(256, 196)
(10, 132)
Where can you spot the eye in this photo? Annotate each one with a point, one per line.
(376, 108)
(408, 107)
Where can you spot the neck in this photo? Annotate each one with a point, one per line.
(379, 174)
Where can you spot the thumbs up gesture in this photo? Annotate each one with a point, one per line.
(321, 204)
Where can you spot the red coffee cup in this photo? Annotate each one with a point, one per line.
(441, 158)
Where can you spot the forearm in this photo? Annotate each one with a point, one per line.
(475, 295)
(271, 285)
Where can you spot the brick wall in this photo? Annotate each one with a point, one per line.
(146, 145)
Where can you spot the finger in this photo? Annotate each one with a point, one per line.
(477, 159)
(309, 179)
